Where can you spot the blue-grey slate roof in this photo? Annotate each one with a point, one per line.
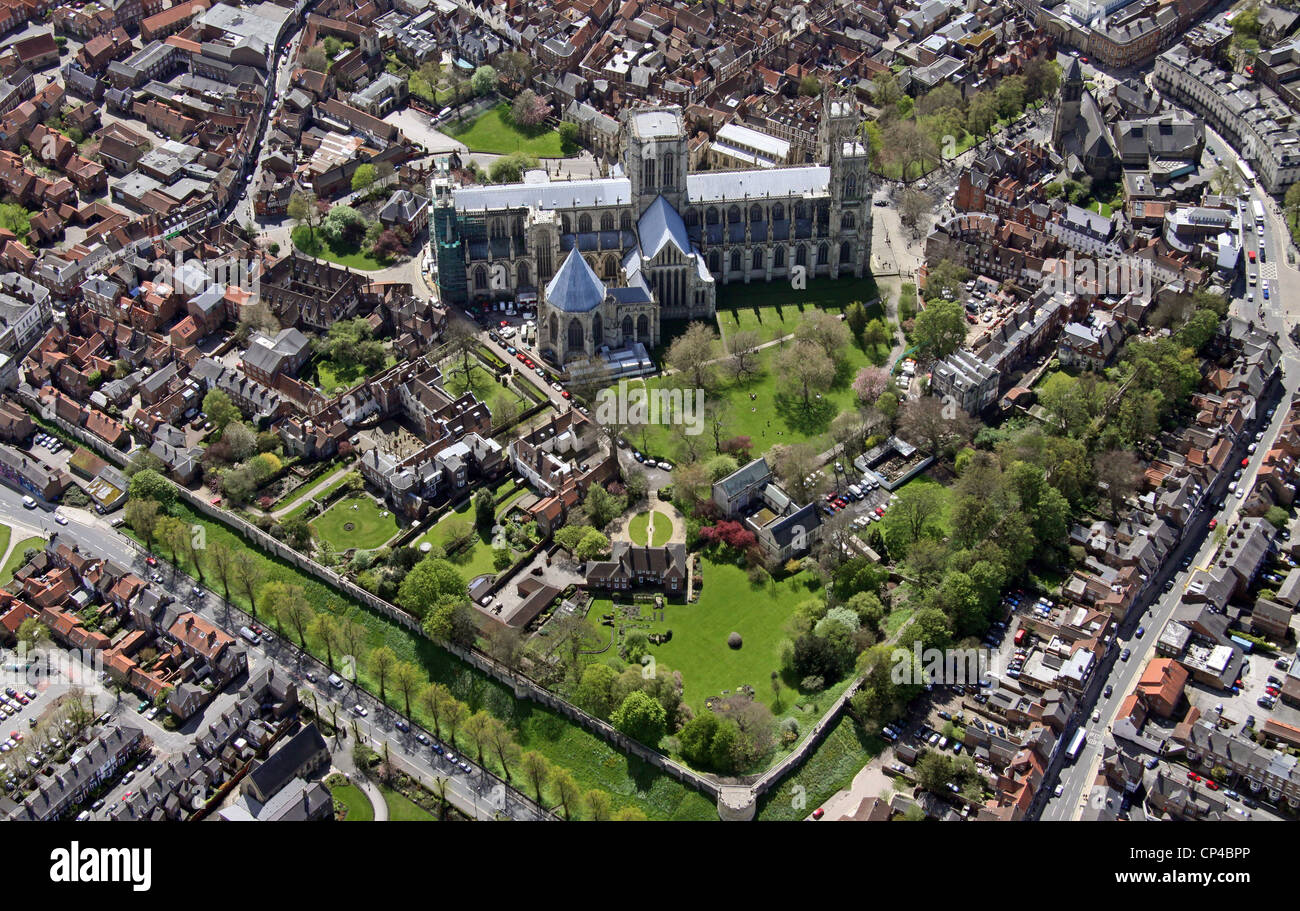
(575, 288)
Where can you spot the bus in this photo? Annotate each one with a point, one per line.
(1076, 745)
(1259, 212)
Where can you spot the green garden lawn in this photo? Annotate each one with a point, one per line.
(485, 386)
(402, 809)
(332, 378)
(315, 246)
(370, 526)
(356, 801)
(771, 416)
(640, 524)
(773, 309)
(728, 603)
(493, 132)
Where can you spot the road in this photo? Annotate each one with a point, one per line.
(476, 793)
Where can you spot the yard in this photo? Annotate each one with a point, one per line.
(334, 378)
(493, 132)
(353, 258)
(760, 408)
(354, 523)
(640, 524)
(728, 603)
(402, 809)
(484, 385)
(774, 309)
(355, 801)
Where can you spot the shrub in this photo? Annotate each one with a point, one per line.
(734, 641)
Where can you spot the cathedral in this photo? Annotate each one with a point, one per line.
(608, 259)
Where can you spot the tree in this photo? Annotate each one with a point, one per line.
(510, 168)
(304, 209)
(314, 59)
(148, 484)
(477, 726)
(276, 598)
(743, 348)
(1118, 474)
(220, 409)
(909, 516)
(641, 717)
(249, 575)
(529, 110)
(430, 584)
(143, 516)
(536, 770)
(327, 633)
(383, 664)
(598, 805)
(595, 692)
(436, 698)
(907, 147)
(363, 178)
(855, 316)
(566, 791)
(940, 328)
(222, 558)
(569, 135)
(913, 204)
(300, 617)
(175, 535)
(826, 331)
(691, 352)
(484, 509)
(30, 632)
(805, 367)
(870, 383)
(484, 80)
(593, 546)
(601, 506)
(502, 743)
(933, 425)
(407, 677)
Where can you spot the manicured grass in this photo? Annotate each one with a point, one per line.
(484, 385)
(402, 809)
(830, 768)
(943, 519)
(358, 804)
(333, 378)
(322, 496)
(636, 529)
(493, 132)
(16, 558)
(772, 415)
(728, 603)
(372, 524)
(773, 309)
(5, 533)
(316, 246)
(593, 762)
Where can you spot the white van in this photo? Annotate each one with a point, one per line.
(29, 503)
(336, 681)
(249, 636)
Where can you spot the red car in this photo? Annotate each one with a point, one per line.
(1271, 690)
(152, 561)
(1192, 776)
(819, 812)
(841, 504)
(1211, 785)
(565, 393)
(1245, 462)
(1083, 59)
(521, 357)
(879, 511)
(23, 699)
(1214, 523)
(215, 501)
(504, 323)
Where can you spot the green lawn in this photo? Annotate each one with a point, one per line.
(16, 558)
(358, 804)
(5, 533)
(372, 524)
(593, 762)
(493, 132)
(315, 246)
(831, 767)
(945, 495)
(760, 407)
(484, 385)
(333, 378)
(773, 309)
(640, 525)
(402, 809)
(728, 603)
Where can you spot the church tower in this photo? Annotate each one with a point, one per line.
(1067, 115)
(848, 157)
(654, 156)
